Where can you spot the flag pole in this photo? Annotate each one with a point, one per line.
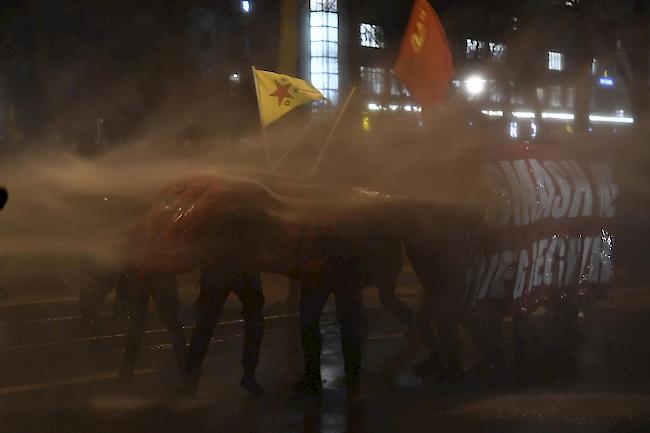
(259, 109)
(331, 134)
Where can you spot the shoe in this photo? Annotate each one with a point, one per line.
(452, 374)
(430, 365)
(308, 385)
(250, 384)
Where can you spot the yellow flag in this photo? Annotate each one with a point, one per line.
(277, 94)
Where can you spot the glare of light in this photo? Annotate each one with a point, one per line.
(606, 81)
(610, 119)
(475, 85)
(558, 116)
(417, 108)
(523, 114)
(393, 107)
(374, 107)
(235, 77)
(533, 130)
(246, 6)
(493, 113)
(408, 108)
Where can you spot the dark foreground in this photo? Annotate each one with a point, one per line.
(59, 375)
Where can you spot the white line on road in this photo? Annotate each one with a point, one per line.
(71, 381)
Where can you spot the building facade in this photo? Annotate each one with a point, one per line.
(526, 67)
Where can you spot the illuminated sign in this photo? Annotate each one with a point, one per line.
(606, 81)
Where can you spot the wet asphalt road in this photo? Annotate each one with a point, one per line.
(59, 375)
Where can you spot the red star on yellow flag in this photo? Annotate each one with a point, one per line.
(282, 92)
(278, 94)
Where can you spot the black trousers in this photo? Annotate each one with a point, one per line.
(216, 285)
(345, 280)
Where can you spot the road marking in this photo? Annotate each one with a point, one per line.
(151, 331)
(71, 381)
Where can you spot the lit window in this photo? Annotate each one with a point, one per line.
(555, 96)
(495, 93)
(514, 130)
(570, 97)
(540, 94)
(471, 47)
(480, 49)
(372, 36)
(373, 79)
(246, 6)
(323, 6)
(516, 94)
(497, 50)
(474, 48)
(555, 61)
(324, 44)
(396, 86)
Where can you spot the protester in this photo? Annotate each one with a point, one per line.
(216, 285)
(343, 277)
(163, 288)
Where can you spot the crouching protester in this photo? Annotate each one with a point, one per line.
(215, 286)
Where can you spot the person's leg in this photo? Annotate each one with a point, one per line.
(312, 302)
(209, 304)
(424, 328)
(449, 336)
(138, 301)
(348, 312)
(165, 297)
(251, 296)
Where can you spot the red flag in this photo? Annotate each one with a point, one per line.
(424, 62)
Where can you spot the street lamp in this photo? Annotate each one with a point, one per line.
(475, 85)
